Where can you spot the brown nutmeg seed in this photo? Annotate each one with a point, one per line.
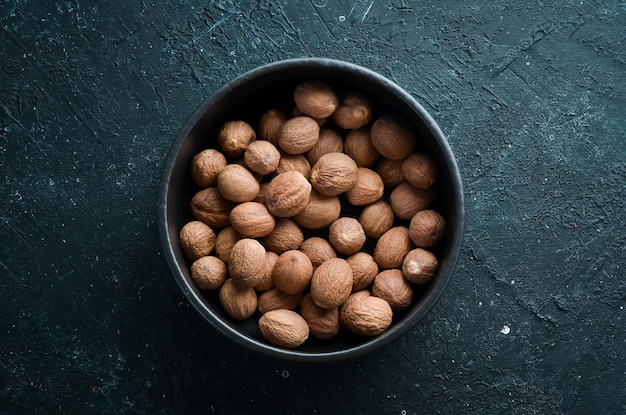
(319, 250)
(359, 147)
(288, 194)
(247, 263)
(285, 236)
(196, 239)
(262, 157)
(252, 219)
(270, 124)
(364, 270)
(298, 135)
(292, 272)
(333, 174)
(237, 184)
(225, 241)
(390, 171)
(368, 188)
(329, 142)
(427, 228)
(206, 166)
(320, 212)
(346, 235)
(275, 299)
(406, 200)
(354, 111)
(393, 287)
(377, 219)
(419, 266)
(421, 170)
(283, 328)
(239, 303)
(234, 137)
(209, 272)
(393, 137)
(323, 323)
(366, 315)
(392, 247)
(331, 284)
(316, 99)
(210, 207)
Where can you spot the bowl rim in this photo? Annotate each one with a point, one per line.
(435, 289)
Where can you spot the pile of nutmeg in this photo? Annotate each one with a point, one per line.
(285, 212)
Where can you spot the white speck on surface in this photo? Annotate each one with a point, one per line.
(505, 330)
(342, 18)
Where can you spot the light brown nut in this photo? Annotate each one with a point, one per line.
(295, 162)
(358, 146)
(393, 287)
(209, 272)
(283, 328)
(270, 124)
(267, 282)
(262, 157)
(354, 111)
(205, 166)
(334, 173)
(224, 242)
(331, 284)
(393, 137)
(318, 250)
(276, 299)
(285, 236)
(247, 263)
(316, 99)
(364, 270)
(427, 228)
(406, 200)
(260, 198)
(237, 184)
(239, 303)
(234, 137)
(369, 188)
(419, 266)
(366, 315)
(329, 142)
(390, 171)
(210, 207)
(298, 135)
(421, 170)
(287, 194)
(377, 219)
(292, 272)
(323, 323)
(320, 212)
(196, 239)
(252, 219)
(392, 247)
(346, 235)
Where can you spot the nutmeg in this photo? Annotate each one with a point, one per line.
(331, 284)
(205, 166)
(315, 99)
(224, 242)
(390, 171)
(368, 188)
(247, 262)
(323, 323)
(393, 137)
(294, 162)
(393, 287)
(270, 124)
(298, 135)
(240, 303)
(210, 207)
(419, 266)
(288, 194)
(234, 137)
(283, 328)
(406, 200)
(318, 250)
(275, 299)
(285, 236)
(196, 239)
(237, 184)
(292, 272)
(354, 111)
(359, 147)
(392, 247)
(366, 315)
(364, 270)
(209, 272)
(334, 173)
(252, 219)
(320, 212)
(329, 142)
(267, 281)
(346, 235)
(421, 170)
(377, 219)
(262, 157)
(427, 228)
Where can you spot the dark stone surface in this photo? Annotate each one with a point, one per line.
(531, 97)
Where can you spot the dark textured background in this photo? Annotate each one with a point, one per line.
(531, 97)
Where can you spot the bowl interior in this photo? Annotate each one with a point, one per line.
(246, 98)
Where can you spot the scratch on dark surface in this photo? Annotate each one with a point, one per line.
(204, 34)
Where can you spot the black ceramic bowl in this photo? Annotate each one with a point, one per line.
(246, 97)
